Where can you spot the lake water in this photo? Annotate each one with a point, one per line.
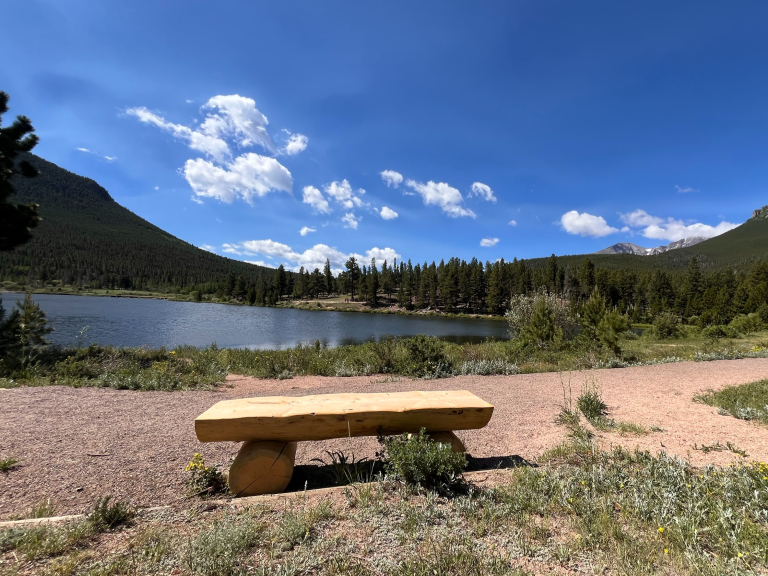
(155, 323)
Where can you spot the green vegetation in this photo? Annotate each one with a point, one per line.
(746, 401)
(204, 481)
(8, 464)
(616, 512)
(422, 463)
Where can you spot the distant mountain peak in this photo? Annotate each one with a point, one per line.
(760, 214)
(629, 248)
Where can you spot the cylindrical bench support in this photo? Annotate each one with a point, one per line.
(262, 467)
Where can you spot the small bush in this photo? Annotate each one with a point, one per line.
(420, 461)
(204, 480)
(746, 324)
(666, 326)
(591, 404)
(426, 355)
(719, 331)
(8, 464)
(522, 309)
(106, 516)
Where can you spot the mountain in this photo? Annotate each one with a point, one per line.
(629, 248)
(88, 239)
(737, 249)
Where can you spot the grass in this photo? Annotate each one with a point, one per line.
(8, 464)
(746, 401)
(586, 511)
(190, 368)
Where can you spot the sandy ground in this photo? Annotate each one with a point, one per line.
(78, 444)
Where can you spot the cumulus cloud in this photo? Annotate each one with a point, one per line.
(392, 178)
(388, 213)
(307, 230)
(343, 193)
(639, 218)
(350, 220)
(315, 198)
(248, 176)
(311, 258)
(259, 263)
(441, 194)
(236, 117)
(489, 242)
(671, 229)
(207, 248)
(382, 254)
(229, 121)
(513, 222)
(483, 191)
(586, 224)
(296, 143)
(685, 189)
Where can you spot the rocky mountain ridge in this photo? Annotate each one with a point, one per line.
(629, 248)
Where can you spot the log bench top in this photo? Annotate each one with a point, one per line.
(327, 416)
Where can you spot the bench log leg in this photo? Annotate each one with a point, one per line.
(262, 467)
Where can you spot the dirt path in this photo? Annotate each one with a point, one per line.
(78, 444)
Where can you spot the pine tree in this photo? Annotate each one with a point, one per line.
(16, 220)
(373, 284)
(280, 283)
(328, 274)
(353, 273)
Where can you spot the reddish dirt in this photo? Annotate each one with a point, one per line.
(78, 444)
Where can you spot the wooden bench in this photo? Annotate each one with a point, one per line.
(272, 426)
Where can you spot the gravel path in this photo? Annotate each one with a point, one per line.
(78, 444)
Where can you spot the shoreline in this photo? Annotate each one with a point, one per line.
(287, 304)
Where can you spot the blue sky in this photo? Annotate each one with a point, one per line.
(235, 125)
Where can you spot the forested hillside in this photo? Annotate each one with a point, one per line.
(87, 239)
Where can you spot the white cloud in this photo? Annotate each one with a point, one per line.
(157, 187)
(482, 190)
(391, 178)
(350, 220)
(382, 254)
(685, 189)
(247, 176)
(441, 194)
(343, 194)
(212, 146)
(585, 224)
(513, 223)
(311, 258)
(639, 218)
(307, 230)
(677, 230)
(388, 213)
(296, 143)
(189, 101)
(671, 229)
(489, 242)
(315, 198)
(207, 248)
(104, 157)
(236, 117)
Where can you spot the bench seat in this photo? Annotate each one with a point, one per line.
(327, 416)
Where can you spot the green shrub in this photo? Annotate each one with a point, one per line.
(591, 404)
(745, 401)
(106, 516)
(8, 464)
(746, 324)
(426, 356)
(419, 461)
(522, 308)
(666, 326)
(204, 481)
(719, 331)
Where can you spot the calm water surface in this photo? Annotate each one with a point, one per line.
(155, 323)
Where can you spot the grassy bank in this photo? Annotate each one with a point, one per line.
(613, 512)
(188, 368)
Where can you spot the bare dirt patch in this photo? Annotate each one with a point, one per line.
(78, 444)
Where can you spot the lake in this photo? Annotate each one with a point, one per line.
(155, 323)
